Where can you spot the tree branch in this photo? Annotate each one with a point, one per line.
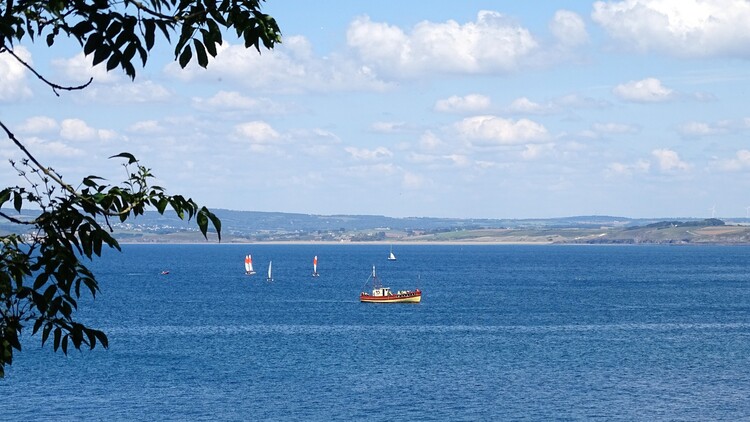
(52, 85)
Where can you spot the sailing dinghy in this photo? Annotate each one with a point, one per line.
(269, 278)
(391, 256)
(249, 265)
(315, 266)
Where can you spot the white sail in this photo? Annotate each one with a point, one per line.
(249, 264)
(391, 256)
(315, 266)
(269, 278)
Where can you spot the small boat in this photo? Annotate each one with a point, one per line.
(382, 294)
(391, 256)
(315, 266)
(165, 272)
(249, 265)
(269, 278)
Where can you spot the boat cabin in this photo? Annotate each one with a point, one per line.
(382, 291)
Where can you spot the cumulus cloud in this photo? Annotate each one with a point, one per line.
(686, 28)
(492, 43)
(234, 101)
(534, 151)
(290, 67)
(569, 29)
(256, 133)
(494, 131)
(38, 124)
(471, 103)
(147, 127)
(78, 130)
(388, 127)
(429, 141)
(613, 128)
(639, 166)
(412, 181)
(78, 70)
(741, 161)
(697, 129)
(13, 75)
(649, 90)
(128, 92)
(365, 154)
(669, 161)
(526, 106)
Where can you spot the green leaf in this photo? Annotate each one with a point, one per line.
(40, 281)
(185, 57)
(102, 338)
(113, 62)
(17, 201)
(200, 51)
(102, 52)
(129, 156)
(4, 196)
(93, 41)
(150, 30)
(56, 339)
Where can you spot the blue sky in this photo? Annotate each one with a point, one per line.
(485, 109)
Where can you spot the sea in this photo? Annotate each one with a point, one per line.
(503, 332)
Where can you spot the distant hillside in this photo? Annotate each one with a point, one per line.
(253, 226)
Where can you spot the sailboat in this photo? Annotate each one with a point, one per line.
(315, 266)
(249, 265)
(391, 256)
(380, 294)
(269, 278)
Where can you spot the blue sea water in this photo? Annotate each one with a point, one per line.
(502, 333)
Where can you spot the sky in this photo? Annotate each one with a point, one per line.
(463, 109)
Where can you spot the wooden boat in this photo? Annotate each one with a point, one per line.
(315, 267)
(382, 294)
(249, 265)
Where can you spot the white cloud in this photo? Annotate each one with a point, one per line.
(288, 68)
(147, 127)
(77, 130)
(568, 27)
(256, 133)
(640, 166)
(412, 181)
(13, 75)
(388, 127)
(234, 101)
(38, 124)
(534, 151)
(669, 160)
(77, 70)
(699, 129)
(685, 28)
(471, 103)
(490, 44)
(614, 128)
(369, 154)
(429, 141)
(649, 90)
(739, 162)
(525, 105)
(492, 130)
(128, 92)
